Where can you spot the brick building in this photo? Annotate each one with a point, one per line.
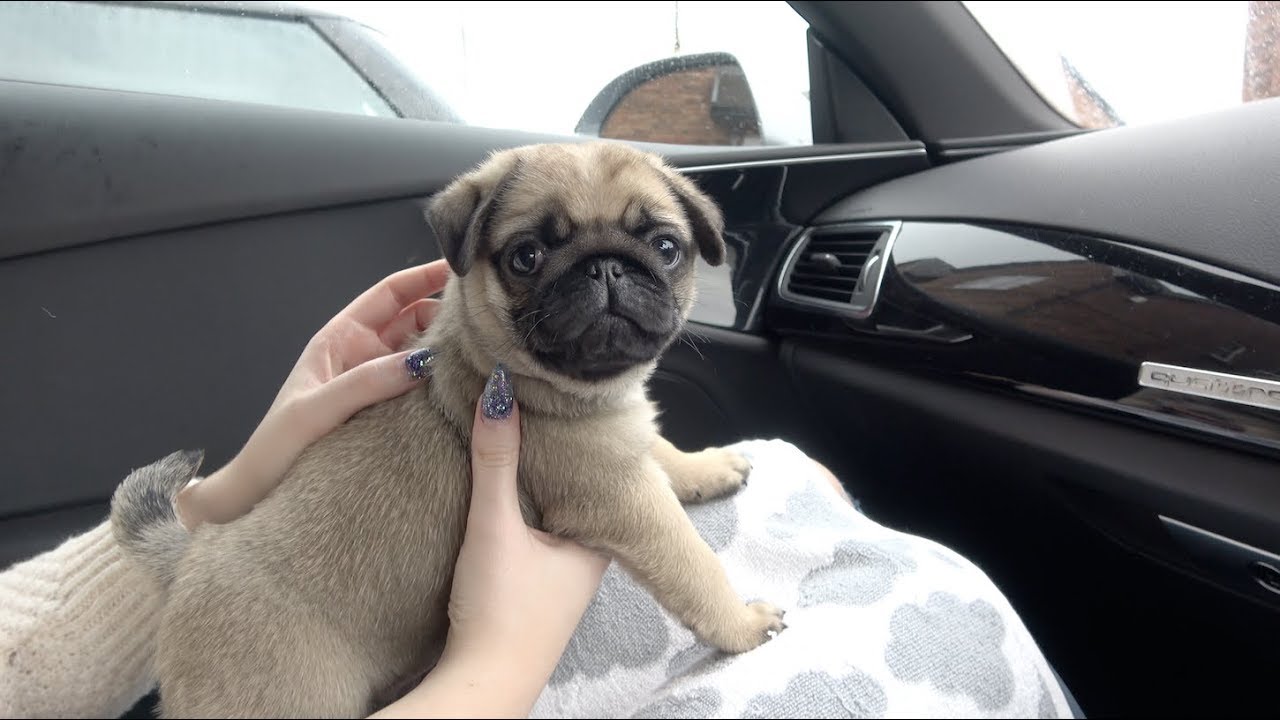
(1262, 51)
(710, 105)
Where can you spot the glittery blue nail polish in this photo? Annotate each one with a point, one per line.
(498, 396)
(419, 363)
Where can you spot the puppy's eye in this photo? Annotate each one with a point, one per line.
(526, 258)
(668, 249)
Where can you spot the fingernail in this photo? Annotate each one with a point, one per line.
(182, 505)
(419, 363)
(498, 397)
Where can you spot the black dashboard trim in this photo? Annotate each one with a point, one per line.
(1202, 188)
(1066, 318)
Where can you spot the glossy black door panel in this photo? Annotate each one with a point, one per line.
(1077, 319)
(765, 203)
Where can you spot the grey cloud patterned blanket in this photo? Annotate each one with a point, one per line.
(880, 623)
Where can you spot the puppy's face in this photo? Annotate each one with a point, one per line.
(581, 256)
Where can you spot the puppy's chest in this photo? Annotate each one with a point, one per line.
(566, 460)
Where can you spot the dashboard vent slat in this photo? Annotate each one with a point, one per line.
(829, 265)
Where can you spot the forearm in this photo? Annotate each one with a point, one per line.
(474, 686)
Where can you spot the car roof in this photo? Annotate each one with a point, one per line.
(247, 7)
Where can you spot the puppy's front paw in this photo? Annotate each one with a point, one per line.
(711, 473)
(757, 624)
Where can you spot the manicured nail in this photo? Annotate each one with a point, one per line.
(182, 505)
(419, 363)
(498, 397)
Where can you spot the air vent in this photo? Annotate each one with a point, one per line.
(838, 267)
(828, 266)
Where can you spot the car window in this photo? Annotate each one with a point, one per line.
(696, 73)
(181, 50)
(1103, 64)
(699, 73)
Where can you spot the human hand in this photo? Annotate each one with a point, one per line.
(518, 593)
(352, 362)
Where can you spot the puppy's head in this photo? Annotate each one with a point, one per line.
(577, 258)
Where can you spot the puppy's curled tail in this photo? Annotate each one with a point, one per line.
(143, 519)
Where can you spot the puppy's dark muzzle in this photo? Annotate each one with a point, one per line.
(604, 269)
(603, 315)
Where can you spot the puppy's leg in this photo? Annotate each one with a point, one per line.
(639, 521)
(702, 475)
(242, 655)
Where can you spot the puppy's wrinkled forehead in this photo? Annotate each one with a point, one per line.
(570, 189)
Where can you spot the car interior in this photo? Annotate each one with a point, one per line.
(1051, 348)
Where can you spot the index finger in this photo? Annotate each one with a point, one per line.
(380, 304)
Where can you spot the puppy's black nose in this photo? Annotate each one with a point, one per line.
(605, 268)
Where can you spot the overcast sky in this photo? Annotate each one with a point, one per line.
(537, 65)
(1151, 61)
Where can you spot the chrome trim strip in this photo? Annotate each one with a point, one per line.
(879, 256)
(1198, 265)
(1236, 389)
(962, 153)
(1236, 544)
(1153, 416)
(803, 160)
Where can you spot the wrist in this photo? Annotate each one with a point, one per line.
(516, 666)
(471, 684)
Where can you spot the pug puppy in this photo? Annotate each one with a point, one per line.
(573, 270)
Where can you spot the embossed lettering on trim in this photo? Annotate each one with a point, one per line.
(1208, 384)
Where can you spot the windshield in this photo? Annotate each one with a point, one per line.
(1103, 64)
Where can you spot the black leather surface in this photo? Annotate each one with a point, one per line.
(78, 166)
(119, 353)
(1157, 472)
(1207, 188)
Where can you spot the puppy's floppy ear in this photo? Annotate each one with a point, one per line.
(458, 215)
(705, 218)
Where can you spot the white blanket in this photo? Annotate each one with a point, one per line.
(880, 623)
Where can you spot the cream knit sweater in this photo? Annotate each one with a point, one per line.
(77, 626)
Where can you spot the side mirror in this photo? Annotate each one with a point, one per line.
(699, 99)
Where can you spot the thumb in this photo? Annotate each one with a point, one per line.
(370, 382)
(495, 454)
